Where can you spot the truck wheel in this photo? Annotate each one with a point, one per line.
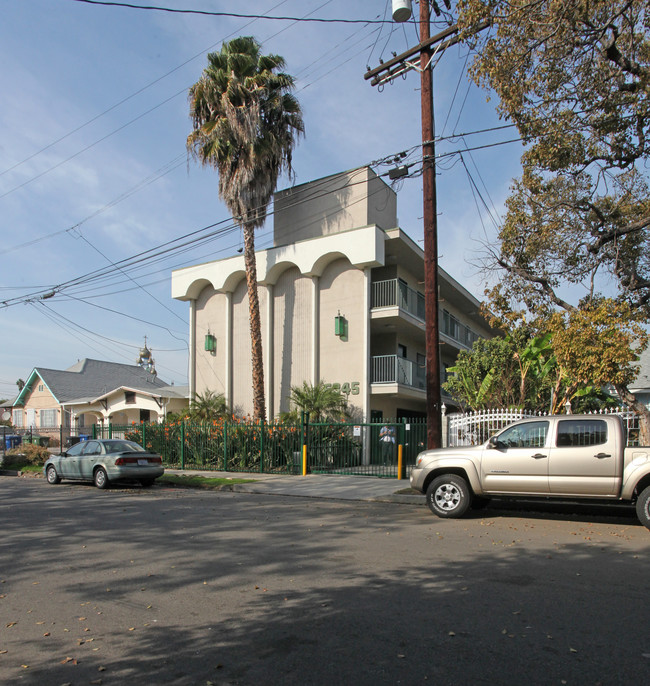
(643, 507)
(449, 496)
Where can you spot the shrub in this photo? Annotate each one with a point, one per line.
(27, 453)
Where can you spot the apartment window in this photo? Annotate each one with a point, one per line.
(401, 350)
(48, 418)
(129, 397)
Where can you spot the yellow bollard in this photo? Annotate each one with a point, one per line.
(400, 449)
(304, 460)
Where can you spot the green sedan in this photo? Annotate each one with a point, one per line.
(103, 462)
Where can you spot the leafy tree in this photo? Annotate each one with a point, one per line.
(245, 124)
(208, 406)
(485, 376)
(21, 384)
(320, 400)
(515, 371)
(574, 77)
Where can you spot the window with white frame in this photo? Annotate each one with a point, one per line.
(18, 418)
(48, 418)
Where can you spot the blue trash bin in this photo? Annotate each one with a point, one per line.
(84, 437)
(12, 441)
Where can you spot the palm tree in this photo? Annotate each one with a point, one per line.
(321, 400)
(208, 407)
(245, 125)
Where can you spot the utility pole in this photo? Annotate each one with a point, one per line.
(398, 65)
(432, 334)
(386, 72)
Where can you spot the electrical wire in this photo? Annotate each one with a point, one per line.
(133, 95)
(237, 15)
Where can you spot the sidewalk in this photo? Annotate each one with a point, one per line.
(335, 487)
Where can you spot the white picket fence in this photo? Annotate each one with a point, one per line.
(474, 428)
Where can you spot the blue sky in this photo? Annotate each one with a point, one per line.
(93, 168)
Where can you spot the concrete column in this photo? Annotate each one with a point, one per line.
(315, 329)
(228, 350)
(365, 379)
(192, 369)
(269, 357)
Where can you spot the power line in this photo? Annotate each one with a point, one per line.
(195, 238)
(130, 96)
(237, 15)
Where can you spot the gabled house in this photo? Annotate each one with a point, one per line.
(93, 391)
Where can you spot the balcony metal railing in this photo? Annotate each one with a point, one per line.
(450, 326)
(395, 293)
(395, 369)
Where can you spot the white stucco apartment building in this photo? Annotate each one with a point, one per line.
(341, 300)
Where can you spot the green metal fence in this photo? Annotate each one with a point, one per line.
(331, 448)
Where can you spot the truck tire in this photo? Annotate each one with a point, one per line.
(643, 507)
(449, 496)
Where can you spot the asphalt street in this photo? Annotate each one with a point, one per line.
(179, 586)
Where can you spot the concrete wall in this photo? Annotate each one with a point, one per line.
(292, 344)
(342, 359)
(211, 314)
(333, 204)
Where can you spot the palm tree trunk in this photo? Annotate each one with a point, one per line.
(259, 403)
(638, 408)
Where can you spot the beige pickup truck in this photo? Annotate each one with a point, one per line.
(560, 456)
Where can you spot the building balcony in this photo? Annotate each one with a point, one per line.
(394, 374)
(395, 293)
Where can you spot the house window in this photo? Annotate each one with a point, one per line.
(48, 418)
(40, 388)
(18, 418)
(129, 397)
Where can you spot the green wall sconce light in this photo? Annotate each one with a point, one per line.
(210, 343)
(341, 326)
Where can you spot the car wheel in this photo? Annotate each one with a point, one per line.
(643, 507)
(99, 478)
(51, 475)
(147, 482)
(449, 496)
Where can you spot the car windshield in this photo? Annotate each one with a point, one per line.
(122, 447)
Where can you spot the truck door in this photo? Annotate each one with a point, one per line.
(519, 461)
(584, 459)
